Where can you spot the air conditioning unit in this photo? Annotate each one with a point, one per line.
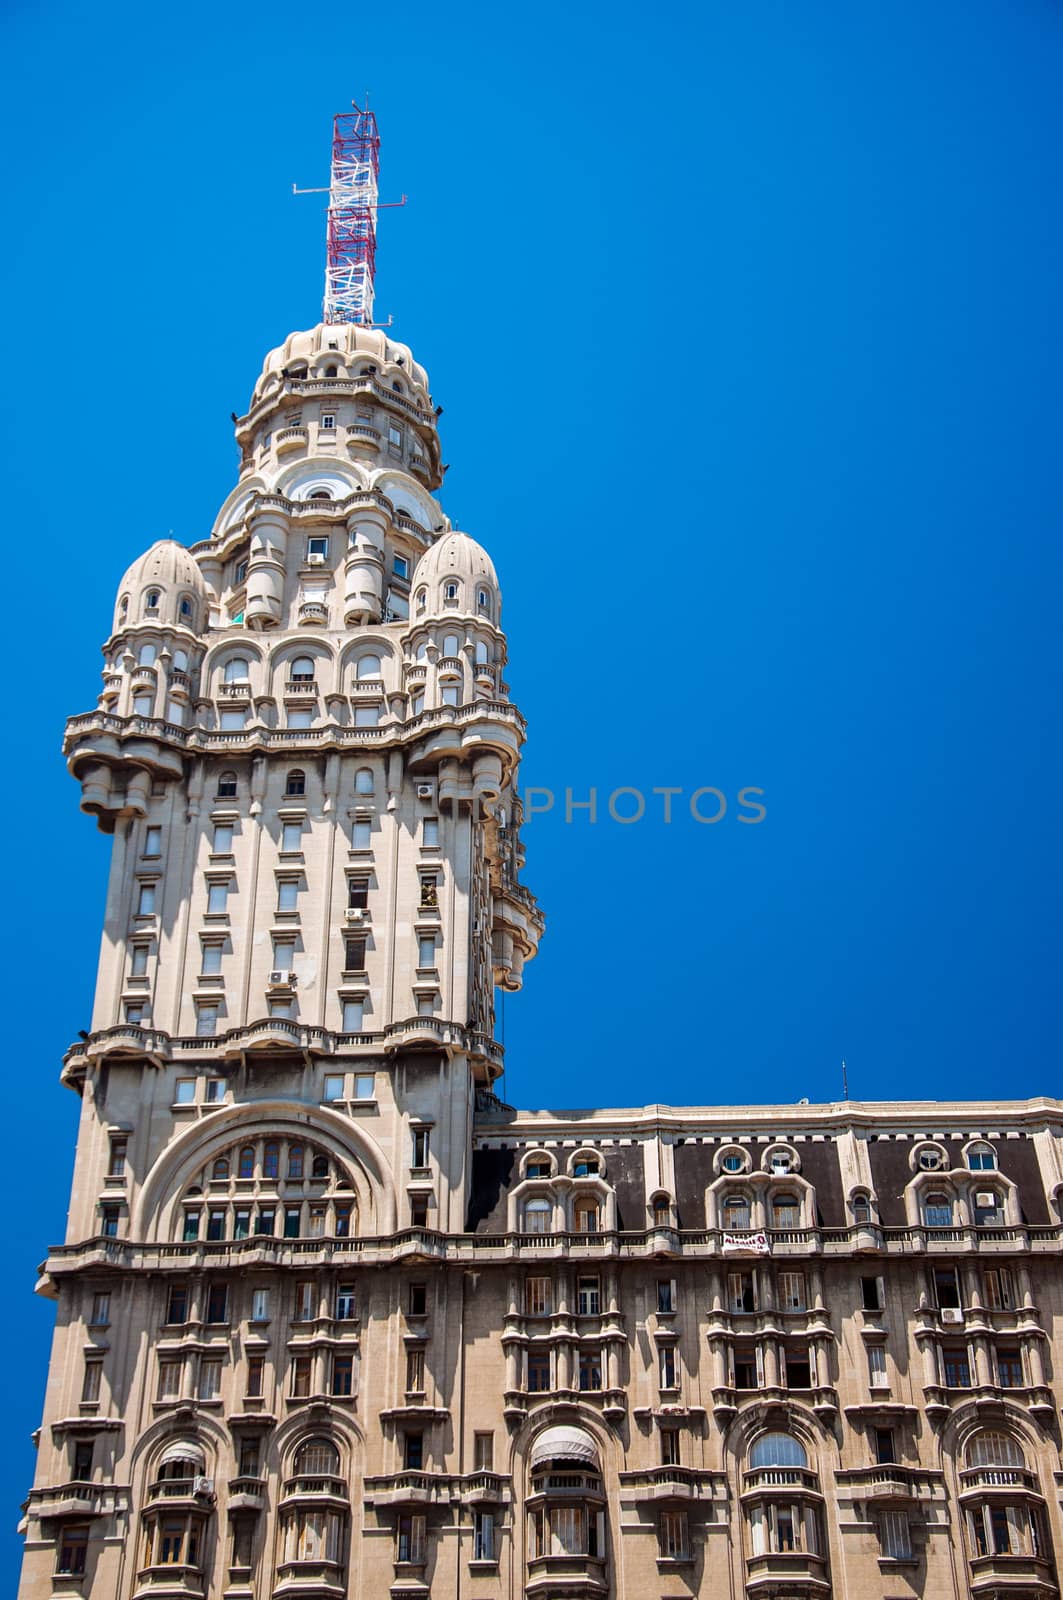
(281, 976)
(425, 791)
(952, 1314)
(203, 1486)
(315, 560)
(987, 1199)
(356, 914)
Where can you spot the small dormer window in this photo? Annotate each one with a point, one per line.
(981, 1158)
(146, 655)
(483, 602)
(930, 1159)
(537, 1169)
(240, 573)
(151, 600)
(186, 606)
(420, 601)
(451, 591)
(585, 1167)
(328, 423)
(331, 371)
(733, 1162)
(123, 608)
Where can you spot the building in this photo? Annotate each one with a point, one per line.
(332, 1319)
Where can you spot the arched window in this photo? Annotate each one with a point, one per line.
(302, 670)
(451, 591)
(236, 670)
(861, 1209)
(777, 1450)
(368, 667)
(785, 1211)
(295, 782)
(226, 785)
(320, 1167)
(982, 1158)
(588, 1216)
(123, 608)
(480, 652)
(992, 1448)
(271, 1159)
(220, 1170)
(937, 1210)
(318, 1458)
(186, 606)
(662, 1211)
(735, 1212)
(151, 600)
(420, 601)
(451, 644)
(180, 660)
(363, 781)
(319, 494)
(331, 372)
(569, 1515)
(246, 1168)
(295, 1161)
(483, 602)
(146, 655)
(536, 1216)
(988, 1207)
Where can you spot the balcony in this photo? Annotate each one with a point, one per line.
(771, 1479)
(888, 1481)
(300, 687)
(979, 1480)
(312, 613)
(409, 1489)
(992, 1572)
(668, 1483)
(796, 1573)
(316, 1580)
(290, 439)
(247, 1494)
(320, 1490)
(170, 1581)
(78, 1498)
(566, 1575)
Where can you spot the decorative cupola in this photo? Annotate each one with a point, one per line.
(456, 578)
(164, 588)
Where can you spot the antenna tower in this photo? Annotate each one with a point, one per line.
(352, 207)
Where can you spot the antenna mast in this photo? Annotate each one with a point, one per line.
(352, 203)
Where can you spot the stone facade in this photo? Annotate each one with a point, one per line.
(331, 1319)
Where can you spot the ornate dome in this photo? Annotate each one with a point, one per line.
(337, 344)
(163, 585)
(456, 575)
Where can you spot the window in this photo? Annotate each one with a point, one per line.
(119, 1149)
(363, 781)
(177, 1304)
(483, 1452)
(226, 785)
(426, 952)
(216, 1224)
(415, 1371)
(937, 1210)
(662, 1212)
(590, 1370)
(170, 1374)
(988, 1208)
(241, 1222)
(861, 1209)
(538, 1371)
(265, 1221)
(798, 1368)
(306, 1299)
(217, 897)
(981, 1158)
(138, 961)
(673, 1536)
(73, 1547)
(588, 1296)
(295, 783)
(134, 1013)
(538, 1297)
(82, 1461)
(483, 602)
(792, 1291)
(271, 1157)
(367, 668)
(317, 545)
(246, 1168)
(292, 1220)
(741, 1292)
(956, 1366)
(418, 1299)
(346, 1303)
(777, 1450)
(342, 1374)
(670, 1447)
(947, 1288)
(785, 1211)
(421, 1138)
(287, 894)
(146, 655)
(101, 1310)
(450, 592)
(218, 1303)
(301, 1369)
(885, 1446)
(1009, 1368)
(733, 1161)
(585, 1167)
(206, 1019)
(190, 1230)
(483, 1538)
(998, 1289)
(146, 900)
(666, 1365)
(91, 1379)
(419, 1211)
(353, 1015)
(896, 1536)
(413, 1450)
(283, 956)
(400, 566)
(328, 424)
(209, 1380)
(232, 721)
(587, 1216)
(409, 1545)
(333, 1089)
(666, 1297)
(930, 1159)
(870, 1296)
(876, 1366)
(152, 841)
(735, 1213)
(537, 1169)
(184, 1091)
(536, 1216)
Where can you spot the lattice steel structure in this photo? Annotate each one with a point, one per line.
(351, 264)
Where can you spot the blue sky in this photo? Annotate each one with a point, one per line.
(747, 326)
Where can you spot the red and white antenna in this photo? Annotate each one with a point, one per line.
(350, 267)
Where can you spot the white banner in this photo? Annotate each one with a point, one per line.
(746, 1244)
